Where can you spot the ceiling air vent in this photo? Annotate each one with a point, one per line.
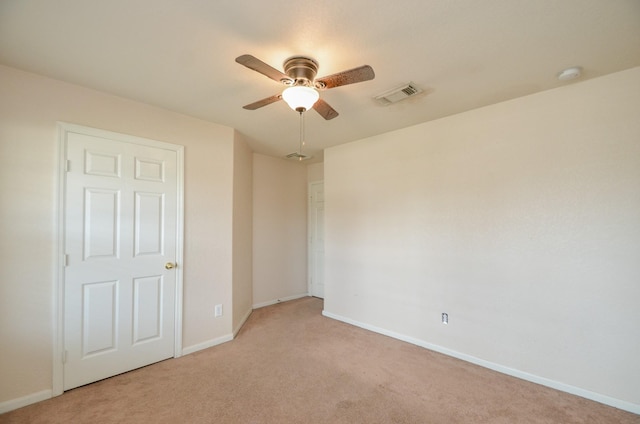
(297, 156)
(398, 94)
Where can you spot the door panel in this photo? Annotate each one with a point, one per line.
(101, 223)
(149, 170)
(120, 230)
(149, 219)
(99, 317)
(147, 308)
(104, 164)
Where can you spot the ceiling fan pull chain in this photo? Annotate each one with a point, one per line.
(301, 135)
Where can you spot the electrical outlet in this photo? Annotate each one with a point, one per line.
(445, 318)
(218, 311)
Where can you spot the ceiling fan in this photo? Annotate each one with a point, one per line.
(300, 78)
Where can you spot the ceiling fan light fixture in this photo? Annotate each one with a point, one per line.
(300, 98)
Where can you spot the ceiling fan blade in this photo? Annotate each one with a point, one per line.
(263, 102)
(259, 66)
(326, 111)
(362, 73)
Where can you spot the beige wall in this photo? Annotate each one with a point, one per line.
(279, 230)
(242, 232)
(520, 220)
(30, 105)
(315, 172)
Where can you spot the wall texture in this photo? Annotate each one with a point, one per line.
(520, 220)
(30, 106)
(279, 230)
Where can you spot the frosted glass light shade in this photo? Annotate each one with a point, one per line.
(300, 97)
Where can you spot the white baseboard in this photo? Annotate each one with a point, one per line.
(205, 345)
(279, 300)
(12, 404)
(616, 403)
(242, 321)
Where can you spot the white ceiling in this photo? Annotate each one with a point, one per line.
(179, 54)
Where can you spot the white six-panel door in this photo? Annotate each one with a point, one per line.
(120, 223)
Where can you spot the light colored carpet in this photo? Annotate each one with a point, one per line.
(289, 364)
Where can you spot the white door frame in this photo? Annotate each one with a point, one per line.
(311, 264)
(58, 289)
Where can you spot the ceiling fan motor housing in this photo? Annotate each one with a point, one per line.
(302, 70)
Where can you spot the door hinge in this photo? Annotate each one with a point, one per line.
(67, 165)
(64, 356)
(65, 260)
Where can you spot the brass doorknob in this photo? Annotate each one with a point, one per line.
(170, 265)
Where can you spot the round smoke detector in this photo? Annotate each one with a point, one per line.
(570, 73)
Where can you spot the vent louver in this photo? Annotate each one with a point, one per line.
(398, 94)
(297, 156)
